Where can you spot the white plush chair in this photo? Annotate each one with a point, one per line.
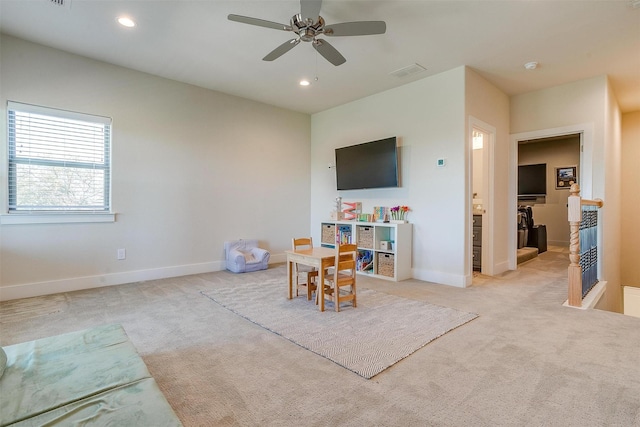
(243, 256)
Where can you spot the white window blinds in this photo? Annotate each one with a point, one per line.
(59, 161)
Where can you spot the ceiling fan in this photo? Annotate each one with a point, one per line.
(308, 25)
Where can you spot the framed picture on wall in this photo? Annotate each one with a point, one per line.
(565, 177)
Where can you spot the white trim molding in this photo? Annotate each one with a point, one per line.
(28, 290)
(89, 282)
(488, 266)
(55, 218)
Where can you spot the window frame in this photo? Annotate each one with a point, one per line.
(16, 215)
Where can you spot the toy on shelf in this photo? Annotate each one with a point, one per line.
(365, 261)
(352, 210)
(363, 217)
(337, 214)
(380, 214)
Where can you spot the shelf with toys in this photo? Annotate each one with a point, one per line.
(384, 249)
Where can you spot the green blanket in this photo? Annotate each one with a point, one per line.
(94, 377)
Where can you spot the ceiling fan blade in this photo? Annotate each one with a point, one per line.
(359, 28)
(329, 52)
(258, 22)
(281, 50)
(310, 9)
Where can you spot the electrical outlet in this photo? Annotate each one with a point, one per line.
(122, 254)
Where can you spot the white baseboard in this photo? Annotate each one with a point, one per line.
(501, 267)
(28, 290)
(277, 258)
(457, 280)
(79, 283)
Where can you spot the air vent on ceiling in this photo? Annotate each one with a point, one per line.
(61, 3)
(407, 71)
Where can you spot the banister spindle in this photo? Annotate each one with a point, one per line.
(575, 271)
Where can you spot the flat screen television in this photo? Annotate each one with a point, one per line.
(370, 165)
(532, 180)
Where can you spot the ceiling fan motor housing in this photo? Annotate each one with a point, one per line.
(307, 31)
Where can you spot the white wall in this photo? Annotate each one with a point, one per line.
(486, 103)
(191, 168)
(611, 213)
(428, 118)
(586, 103)
(431, 119)
(631, 301)
(630, 248)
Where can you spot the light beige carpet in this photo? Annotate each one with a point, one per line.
(380, 332)
(525, 361)
(24, 309)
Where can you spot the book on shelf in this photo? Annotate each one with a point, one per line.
(344, 235)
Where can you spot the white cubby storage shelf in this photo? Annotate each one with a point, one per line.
(384, 249)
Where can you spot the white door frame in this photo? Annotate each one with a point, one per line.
(488, 185)
(585, 179)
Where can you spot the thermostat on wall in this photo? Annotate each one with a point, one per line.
(441, 163)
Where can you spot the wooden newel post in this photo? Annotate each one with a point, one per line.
(575, 272)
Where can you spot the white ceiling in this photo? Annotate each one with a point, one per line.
(193, 42)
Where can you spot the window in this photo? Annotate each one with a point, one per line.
(59, 161)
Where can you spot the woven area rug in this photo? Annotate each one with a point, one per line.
(380, 332)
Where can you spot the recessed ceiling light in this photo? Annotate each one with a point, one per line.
(305, 82)
(531, 65)
(126, 21)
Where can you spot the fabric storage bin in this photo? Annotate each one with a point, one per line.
(365, 237)
(329, 234)
(385, 264)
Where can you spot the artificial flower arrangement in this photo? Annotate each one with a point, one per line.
(399, 212)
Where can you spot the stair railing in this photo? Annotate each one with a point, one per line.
(583, 245)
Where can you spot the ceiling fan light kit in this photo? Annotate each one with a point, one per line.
(308, 25)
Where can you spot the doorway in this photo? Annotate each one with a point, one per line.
(549, 209)
(482, 137)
